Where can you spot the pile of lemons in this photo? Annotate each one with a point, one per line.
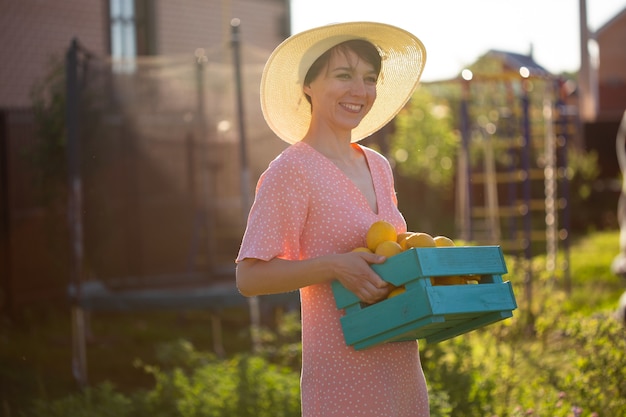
(382, 239)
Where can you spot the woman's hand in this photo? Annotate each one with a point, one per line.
(354, 272)
(352, 269)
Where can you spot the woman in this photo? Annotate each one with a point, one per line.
(322, 91)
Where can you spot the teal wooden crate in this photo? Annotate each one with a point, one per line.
(423, 311)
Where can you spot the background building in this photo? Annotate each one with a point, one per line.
(158, 101)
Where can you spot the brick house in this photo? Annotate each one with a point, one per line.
(600, 134)
(34, 265)
(612, 68)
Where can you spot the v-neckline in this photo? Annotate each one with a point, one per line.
(352, 183)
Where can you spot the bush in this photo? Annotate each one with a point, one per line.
(198, 386)
(100, 401)
(243, 386)
(573, 368)
(561, 355)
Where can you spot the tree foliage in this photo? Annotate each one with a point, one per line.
(425, 143)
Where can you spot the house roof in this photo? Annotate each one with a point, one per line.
(515, 61)
(610, 23)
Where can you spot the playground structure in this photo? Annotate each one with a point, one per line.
(512, 188)
(523, 157)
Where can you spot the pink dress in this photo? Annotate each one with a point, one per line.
(306, 207)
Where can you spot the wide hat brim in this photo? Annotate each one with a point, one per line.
(284, 106)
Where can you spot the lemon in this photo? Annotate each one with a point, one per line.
(472, 279)
(420, 240)
(379, 232)
(396, 291)
(388, 248)
(362, 249)
(450, 280)
(402, 239)
(441, 241)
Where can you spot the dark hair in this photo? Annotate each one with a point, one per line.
(362, 48)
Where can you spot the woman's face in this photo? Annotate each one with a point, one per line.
(343, 93)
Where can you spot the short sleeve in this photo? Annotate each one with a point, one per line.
(278, 214)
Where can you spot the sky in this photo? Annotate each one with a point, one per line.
(457, 32)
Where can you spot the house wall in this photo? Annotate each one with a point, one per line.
(612, 69)
(34, 243)
(34, 31)
(183, 25)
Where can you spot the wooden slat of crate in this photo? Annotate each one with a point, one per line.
(374, 320)
(464, 299)
(433, 329)
(469, 325)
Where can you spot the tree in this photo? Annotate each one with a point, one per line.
(423, 150)
(425, 143)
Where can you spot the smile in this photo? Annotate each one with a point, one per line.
(352, 107)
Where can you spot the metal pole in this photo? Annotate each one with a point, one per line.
(526, 190)
(585, 98)
(75, 224)
(243, 155)
(465, 172)
(6, 279)
(564, 121)
(491, 187)
(550, 188)
(253, 302)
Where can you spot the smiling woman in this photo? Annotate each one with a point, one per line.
(322, 91)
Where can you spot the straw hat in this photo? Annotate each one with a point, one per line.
(284, 105)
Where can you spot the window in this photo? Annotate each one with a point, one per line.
(132, 31)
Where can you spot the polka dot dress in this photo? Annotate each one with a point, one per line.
(306, 207)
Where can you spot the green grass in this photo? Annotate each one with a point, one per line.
(594, 286)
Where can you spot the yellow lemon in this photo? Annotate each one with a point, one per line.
(472, 279)
(379, 232)
(441, 241)
(402, 239)
(420, 240)
(388, 248)
(451, 280)
(396, 291)
(362, 249)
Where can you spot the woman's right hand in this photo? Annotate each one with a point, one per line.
(259, 277)
(354, 272)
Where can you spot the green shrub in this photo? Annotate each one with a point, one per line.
(99, 401)
(243, 386)
(452, 374)
(574, 365)
(197, 386)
